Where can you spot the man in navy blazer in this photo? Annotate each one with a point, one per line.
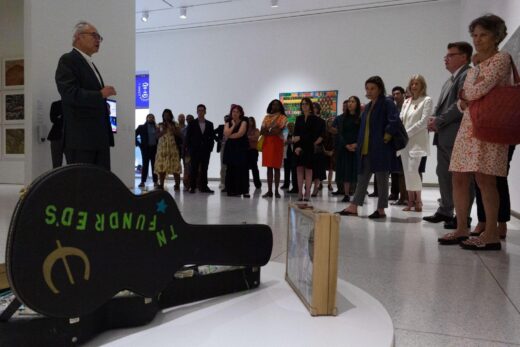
(87, 131)
(200, 139)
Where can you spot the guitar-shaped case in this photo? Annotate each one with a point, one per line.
(78, 236)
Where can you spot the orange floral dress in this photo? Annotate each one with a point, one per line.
(272, 148)
(469, 153)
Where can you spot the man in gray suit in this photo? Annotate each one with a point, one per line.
(446, 122)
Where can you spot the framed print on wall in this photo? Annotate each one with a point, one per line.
(13, 107)
(12, 73)
(13, 145)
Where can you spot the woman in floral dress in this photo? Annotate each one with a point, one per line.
(471, 156)
(167, 159)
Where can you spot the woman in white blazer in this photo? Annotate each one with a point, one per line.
(414, 114)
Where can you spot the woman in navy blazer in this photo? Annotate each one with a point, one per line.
(375, 152)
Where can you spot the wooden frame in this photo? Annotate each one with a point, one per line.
(13, 141)
(13, 73)
(312, 258)
(13, 107)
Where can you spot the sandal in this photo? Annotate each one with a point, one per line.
(476, 244)
(418, 206)
(451, 239)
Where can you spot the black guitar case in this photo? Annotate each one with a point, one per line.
(78, 237)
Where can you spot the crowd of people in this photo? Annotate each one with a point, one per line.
(360, 143)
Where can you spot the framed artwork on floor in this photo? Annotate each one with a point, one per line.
(13, 106)
(12, 73)
(13, 141)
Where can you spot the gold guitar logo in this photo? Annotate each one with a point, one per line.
(61, 253)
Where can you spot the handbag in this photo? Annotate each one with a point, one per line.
(400, 138)
(496, 115)
(260, 143)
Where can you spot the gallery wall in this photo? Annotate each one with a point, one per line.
(48, 34)
(11, 46)
(251, 63)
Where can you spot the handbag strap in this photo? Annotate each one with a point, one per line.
(515, 71)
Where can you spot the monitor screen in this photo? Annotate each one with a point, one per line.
(112, 104)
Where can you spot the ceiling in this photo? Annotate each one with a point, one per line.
(164, 14)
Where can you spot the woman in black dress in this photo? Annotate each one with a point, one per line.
(235, 153)
(347, 126)
(308, 135)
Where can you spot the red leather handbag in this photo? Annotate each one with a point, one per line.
(496, 116)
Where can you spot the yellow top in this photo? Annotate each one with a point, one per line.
(364, 148)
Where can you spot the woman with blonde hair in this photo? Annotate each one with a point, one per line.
(414, 114)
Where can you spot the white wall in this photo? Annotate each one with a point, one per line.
(509, 10)
(48, 34)
(251, 63)
(11, 46)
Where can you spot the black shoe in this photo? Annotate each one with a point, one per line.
(452, 224)
(376, 215)
(338, 192)
(437, 217)
(294, 191)
(392, 197)
(192, 191)
(372, 195)
(141, 185)
(284, 187)
(207, 190)
(399, 203)
(346, 198)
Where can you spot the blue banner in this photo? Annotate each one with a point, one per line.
(142, 91)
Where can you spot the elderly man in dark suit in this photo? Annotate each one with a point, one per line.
(87, 133)
(446, 122)
(200, 139)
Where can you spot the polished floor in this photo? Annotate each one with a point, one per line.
(435, 295)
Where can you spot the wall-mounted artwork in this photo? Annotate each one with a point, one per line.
(13, 73)
(13, 106)
(328, 101)
(14, 142)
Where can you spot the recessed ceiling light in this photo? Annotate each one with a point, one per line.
(183, 13)
(145, 16)
(274, 3)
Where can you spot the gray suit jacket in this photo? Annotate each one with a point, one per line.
(448, 116)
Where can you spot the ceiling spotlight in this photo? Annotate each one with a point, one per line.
(274, 3)
(145, 16)
(183, 14)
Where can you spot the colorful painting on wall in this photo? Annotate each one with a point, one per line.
(328, 101)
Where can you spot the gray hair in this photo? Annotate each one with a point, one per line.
(79, 28)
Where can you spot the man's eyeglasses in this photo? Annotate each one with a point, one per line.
(451, 55)
(96, 36)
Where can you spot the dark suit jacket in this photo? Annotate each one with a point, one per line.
(142, 132)
(87, 124)
(219, 136)
(448, 116)
(198, 142)
(56, 132)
